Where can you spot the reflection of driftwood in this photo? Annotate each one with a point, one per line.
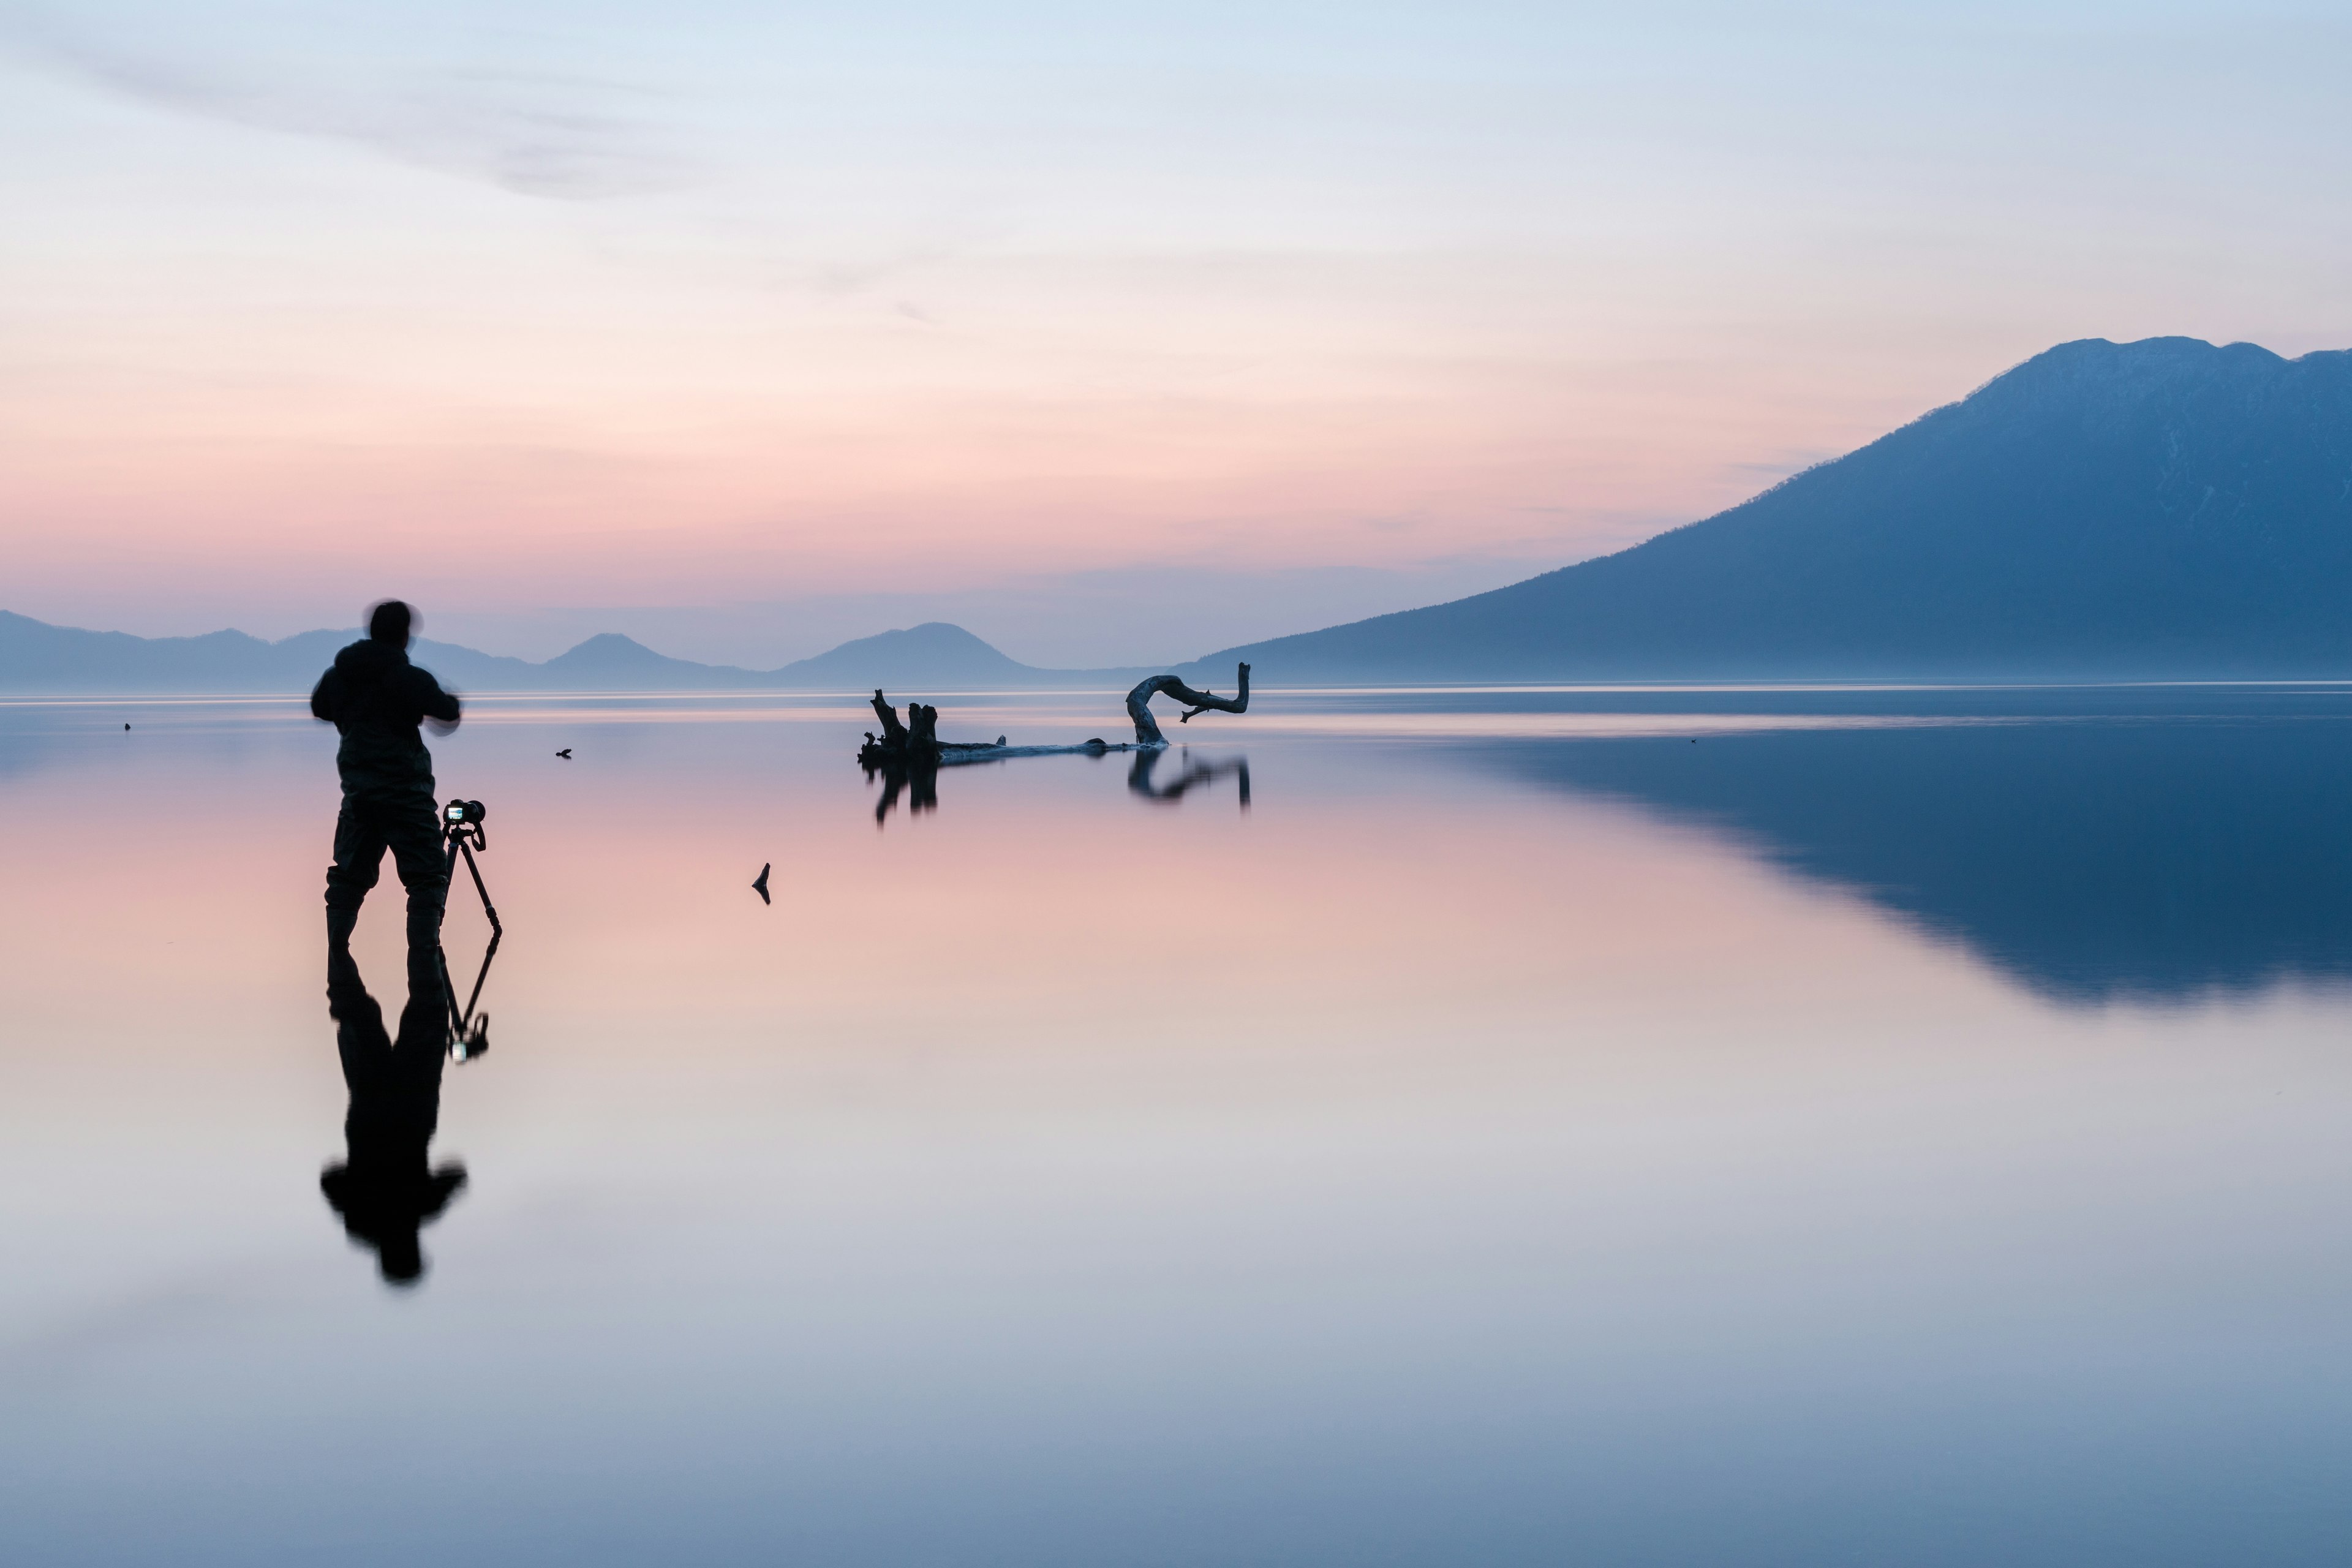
(1195, 774)
(1138, 704)
(896, 778)
(919, 782)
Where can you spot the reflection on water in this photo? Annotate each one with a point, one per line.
(1644, 1128)
(385, 1188)
(1192, 773)
(2089, 860)
(469, 1027)
(919, 780)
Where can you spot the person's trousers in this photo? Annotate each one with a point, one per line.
(409, 824)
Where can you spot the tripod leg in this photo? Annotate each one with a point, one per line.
(488, 908)
(448, 991)
(488, 953)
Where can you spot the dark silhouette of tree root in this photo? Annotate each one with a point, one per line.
(1138, 704)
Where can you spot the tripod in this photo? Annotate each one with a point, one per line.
(461, 832)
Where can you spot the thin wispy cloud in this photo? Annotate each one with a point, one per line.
(536, 133)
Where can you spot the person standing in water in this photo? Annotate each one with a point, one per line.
(376, 700)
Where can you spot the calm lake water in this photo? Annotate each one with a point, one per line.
(1667, 1126)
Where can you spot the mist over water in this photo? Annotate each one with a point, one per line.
(1634, 1126)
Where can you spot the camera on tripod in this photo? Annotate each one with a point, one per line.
(461, 829)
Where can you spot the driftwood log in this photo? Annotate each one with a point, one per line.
(916, 740)
(908, 753)
(1138, 704)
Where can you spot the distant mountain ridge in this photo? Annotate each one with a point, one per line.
(39, 658)
(2160, 510)
(2133, 511)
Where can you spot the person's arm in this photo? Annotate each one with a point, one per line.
(327, 696)
(432, 703)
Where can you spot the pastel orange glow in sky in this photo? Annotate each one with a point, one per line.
(1116, 338)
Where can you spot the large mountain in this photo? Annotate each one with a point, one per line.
(35, 656)
(2164, 508)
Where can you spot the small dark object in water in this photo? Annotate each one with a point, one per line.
(565, 753)
(126, 726)
(759, 885)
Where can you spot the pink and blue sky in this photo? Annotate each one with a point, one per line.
(1116, 333)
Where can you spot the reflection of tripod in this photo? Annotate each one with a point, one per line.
(461, 830)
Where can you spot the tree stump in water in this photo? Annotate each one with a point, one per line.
(916, 741)
(1138, 704)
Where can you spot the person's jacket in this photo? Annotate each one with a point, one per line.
(376, 699)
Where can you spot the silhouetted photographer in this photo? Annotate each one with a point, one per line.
(376, 700)
(385, 1190)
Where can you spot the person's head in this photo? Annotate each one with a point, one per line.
(400, 1261)
(389, 623)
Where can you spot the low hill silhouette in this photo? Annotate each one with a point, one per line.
(37, 657)
(923, 654)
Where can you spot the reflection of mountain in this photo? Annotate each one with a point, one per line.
(2090, 860)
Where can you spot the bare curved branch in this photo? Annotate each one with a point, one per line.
(1138, 704)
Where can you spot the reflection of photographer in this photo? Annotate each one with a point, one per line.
(385, 1190)
(376, 699)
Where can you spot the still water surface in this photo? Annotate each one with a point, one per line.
(1616, 1126)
